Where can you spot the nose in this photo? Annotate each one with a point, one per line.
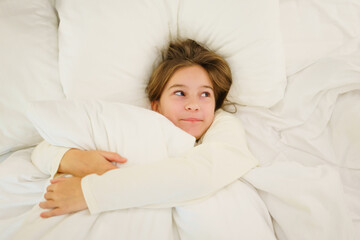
(192, 106)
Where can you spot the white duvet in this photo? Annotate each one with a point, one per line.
(303, 201)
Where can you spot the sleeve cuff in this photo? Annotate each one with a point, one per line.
(47, 157)
(55, 163)
(89, 197)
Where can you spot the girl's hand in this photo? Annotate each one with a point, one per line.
(63, 196)
(80, 163)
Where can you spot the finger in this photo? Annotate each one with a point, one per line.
(111, 156)
(49, 195)
(52, 213)
(56, 180)
(48, 204)
(110, 166)
(50, 188)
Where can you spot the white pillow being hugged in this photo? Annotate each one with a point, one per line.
(139, 134)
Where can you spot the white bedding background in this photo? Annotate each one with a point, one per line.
(315, 124)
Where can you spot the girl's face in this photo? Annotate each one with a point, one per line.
(188, 100)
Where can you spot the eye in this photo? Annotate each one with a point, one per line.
(205, 94)
(179, 93)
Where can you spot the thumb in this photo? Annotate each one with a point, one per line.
(112, 156)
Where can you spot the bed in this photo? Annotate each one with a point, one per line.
(296, 70)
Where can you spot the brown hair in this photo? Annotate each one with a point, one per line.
(188, 53)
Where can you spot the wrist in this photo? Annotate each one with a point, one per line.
(67, 161)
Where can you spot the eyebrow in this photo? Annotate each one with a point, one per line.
(181, 85)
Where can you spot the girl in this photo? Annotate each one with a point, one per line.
(189, 87)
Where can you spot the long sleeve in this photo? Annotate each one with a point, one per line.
(47, 157)
(222, 158)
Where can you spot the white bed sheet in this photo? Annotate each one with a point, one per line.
(5, 156)
(317, 123)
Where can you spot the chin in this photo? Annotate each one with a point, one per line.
(196, 135)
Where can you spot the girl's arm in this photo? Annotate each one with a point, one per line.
(222, 158)
(51, 159)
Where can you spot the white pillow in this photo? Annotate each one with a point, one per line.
(29, 69)
(109, 48)
(138, 134)
(247, 34)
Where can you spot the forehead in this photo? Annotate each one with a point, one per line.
(192, 76)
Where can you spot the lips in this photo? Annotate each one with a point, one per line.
(191, 119)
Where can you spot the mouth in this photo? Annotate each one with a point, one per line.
(192, 120)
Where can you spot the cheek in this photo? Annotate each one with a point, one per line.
(210, 119)
(168, 109)
(210, 113)
(209, 108)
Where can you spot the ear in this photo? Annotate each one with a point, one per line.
(155, 105)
